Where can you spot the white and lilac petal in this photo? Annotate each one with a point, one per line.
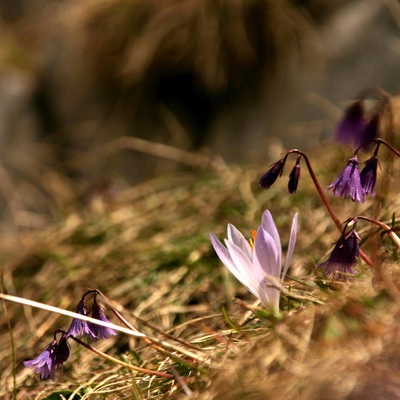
(270, 290)
(265, 255)
(246, 274)
(292, 243)
(268, 224)
(223, 254)
(263, 293)
(236, 237)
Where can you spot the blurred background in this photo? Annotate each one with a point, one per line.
(87, 86)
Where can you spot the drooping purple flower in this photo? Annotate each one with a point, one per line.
(269, 178)
(294, 177)
(348, 183)
(99, 332)
(258, 267)
(52, 357)
(351, 129)
(368, 175)
(79, 327)
(44, 363)
(342, 259)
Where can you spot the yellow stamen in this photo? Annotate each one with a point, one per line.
(251, 240)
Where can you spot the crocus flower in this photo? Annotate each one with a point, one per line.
(53, 356)
(351, 129)
(258, 267)
(343, 257)
(348, 183)
(368, 175)
(79, 327)
(99, 332)
(269, 178)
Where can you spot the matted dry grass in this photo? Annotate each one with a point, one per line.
(147, 249)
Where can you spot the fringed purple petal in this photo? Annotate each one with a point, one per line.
(348, 183)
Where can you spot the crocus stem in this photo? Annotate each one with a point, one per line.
(325, 199)
(119, 362)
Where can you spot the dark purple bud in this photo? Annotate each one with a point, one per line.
(343, 257)
(78, 327)
(351, 129)
(62, 351)
(100, 332)
(269, 178)
(368, 175)
(348, 183)
(294, 177)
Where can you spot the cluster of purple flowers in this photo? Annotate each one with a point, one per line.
(353, 184)
(360, 129)
(57, 351)
(357, 129)
(82, 328)
(52, 357)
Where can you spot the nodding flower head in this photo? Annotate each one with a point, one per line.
(269, 178)
(52, 357)
(368, 175)
(100, 332)
(343, 257)
(79, 327)
(258, 267)
(351, 129)
(348, 183)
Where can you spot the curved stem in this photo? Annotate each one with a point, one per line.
(385, 227)
(319, 188)
(390, 147)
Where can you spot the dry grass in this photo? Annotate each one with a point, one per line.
(147, 249)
